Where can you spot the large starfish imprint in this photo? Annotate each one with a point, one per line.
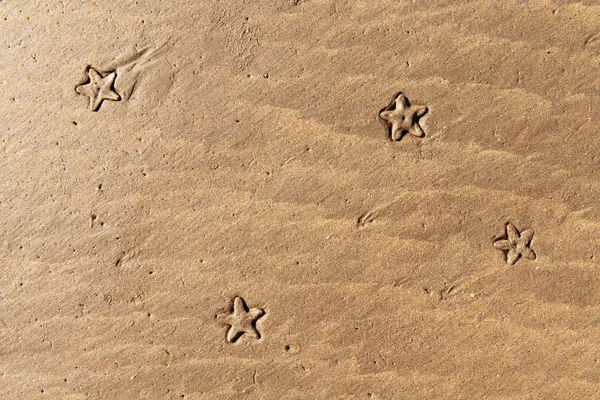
(241, 320)
(399, 118)
(516, 245)
(98, 88)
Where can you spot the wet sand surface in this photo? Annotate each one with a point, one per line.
(201, 200)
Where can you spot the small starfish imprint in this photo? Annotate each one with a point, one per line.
(516, 245)
(399, 118)
(98, 88)
(241, 320)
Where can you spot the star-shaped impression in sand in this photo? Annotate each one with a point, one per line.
(399, 118)
(241, 320)
(516, 245)
(99, 88)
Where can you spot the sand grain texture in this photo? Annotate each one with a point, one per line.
(245, 158)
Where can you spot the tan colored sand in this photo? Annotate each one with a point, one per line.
(245, 158)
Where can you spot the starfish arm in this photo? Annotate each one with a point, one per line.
(224, 318)
(526, 236)
(512, 232)
(95, 102)
(386, 115)
(82, 89)
(233, 334)
(88, 90)
(417, 131)
(239, 305)
(401, 102)
(110, 78)
(504, 245)
(112, 96)
(528, 253)
(421, 111)
(255, 313)
(395, 133)
(94, 75)
(512, 257)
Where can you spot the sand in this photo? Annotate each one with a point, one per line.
(201, 200)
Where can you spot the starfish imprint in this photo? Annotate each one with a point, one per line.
(241, 320)
(516, 245)
(399, 118)
(98, 88)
